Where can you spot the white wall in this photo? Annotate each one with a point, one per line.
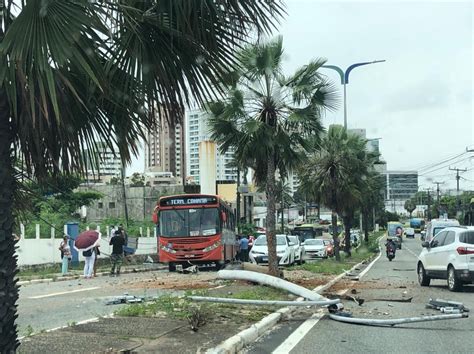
(42, 251)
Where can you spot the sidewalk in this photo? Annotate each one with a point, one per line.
(146, 267)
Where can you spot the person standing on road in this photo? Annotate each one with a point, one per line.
(89, 259)
(117, 242)
(244, 249)
(65, 254)
(97, 254)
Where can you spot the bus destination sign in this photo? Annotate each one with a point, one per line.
(181, 201)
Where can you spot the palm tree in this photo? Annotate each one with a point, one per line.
(269, 118)
(334, 176)
(410, 206)
(78, 71)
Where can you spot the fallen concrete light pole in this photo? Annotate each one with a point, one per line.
(264, 302)
(270, 281)
(393, 322)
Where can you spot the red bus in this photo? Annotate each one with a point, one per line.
(194, 229)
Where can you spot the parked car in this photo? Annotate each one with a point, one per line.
(329, 247)
(449, 255)
(315, 248)
(285, 250)
(300, 252)
(410, 232)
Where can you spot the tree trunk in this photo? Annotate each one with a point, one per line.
(365, 220)
(271, 238)
(8, 259)
(335, 235)
(347, 219)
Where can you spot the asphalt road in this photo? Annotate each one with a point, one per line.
(396, 279)
(50, 305)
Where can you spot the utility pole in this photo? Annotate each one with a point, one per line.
(437, 190)
(429, 204)
(437, 197)
(457, 186)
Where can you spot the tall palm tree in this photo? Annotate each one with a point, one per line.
(334, 176)
(270, 119)
(78, 71)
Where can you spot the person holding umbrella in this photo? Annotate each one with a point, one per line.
(117, 242)
(86, 242)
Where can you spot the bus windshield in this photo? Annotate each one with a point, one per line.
(189, 222)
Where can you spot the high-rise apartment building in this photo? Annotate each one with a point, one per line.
(102, 165)
(165, 149)
(197, 130)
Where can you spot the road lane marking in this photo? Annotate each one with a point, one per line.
(64, 292)
(366, 270)
(294, 338)
(413, 253)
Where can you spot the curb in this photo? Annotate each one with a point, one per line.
(73, 277)
(237, 342)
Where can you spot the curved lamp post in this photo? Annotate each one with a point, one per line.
(345, 79)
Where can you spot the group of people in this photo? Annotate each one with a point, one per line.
(242, 244)
(118, 239)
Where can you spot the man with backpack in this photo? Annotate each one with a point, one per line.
(117, 242)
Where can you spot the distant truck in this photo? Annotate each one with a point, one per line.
(418, 224)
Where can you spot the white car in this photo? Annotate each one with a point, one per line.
(449, 255)
(410, 232)
(300, 252)
(315, 248)
(285, 250)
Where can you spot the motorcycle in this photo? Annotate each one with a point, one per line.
(390, 252)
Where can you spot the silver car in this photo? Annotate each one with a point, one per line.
(315, 248)
(300, 252)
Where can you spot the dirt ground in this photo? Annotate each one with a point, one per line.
(161, 333)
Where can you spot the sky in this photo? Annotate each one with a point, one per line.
(419, 102)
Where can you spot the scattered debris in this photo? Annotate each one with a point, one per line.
(390, 305)
(447, 306)
(125, 299)
(354, 291)
(402, 287)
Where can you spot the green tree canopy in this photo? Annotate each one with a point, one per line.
(77, 73)
(269, 119)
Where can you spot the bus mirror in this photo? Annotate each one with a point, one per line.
(155, 218)
(223, 217)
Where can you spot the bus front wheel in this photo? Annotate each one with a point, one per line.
(172, 267)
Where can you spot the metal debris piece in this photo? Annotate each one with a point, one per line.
(264, 302)
(393, 322)
(408, 299)
(125, 299)
(447, 306)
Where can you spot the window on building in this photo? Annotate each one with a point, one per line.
(111, 205)
(100, 205)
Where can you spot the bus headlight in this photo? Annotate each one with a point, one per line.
(212, 247)
(168, 248)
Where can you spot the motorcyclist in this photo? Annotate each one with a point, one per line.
(390, 245)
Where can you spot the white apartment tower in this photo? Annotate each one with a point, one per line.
(164, 150)
(197, 131)
(102, 165)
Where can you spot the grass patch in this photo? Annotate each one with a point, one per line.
(184, 308)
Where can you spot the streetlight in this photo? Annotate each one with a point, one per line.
(345, 79)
